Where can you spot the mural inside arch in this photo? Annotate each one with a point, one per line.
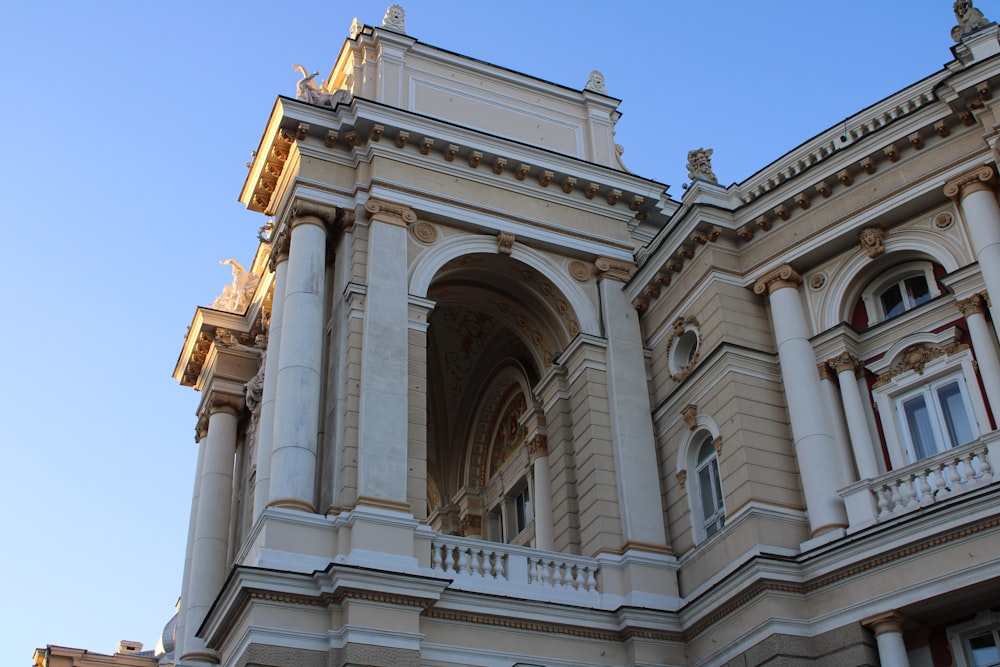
(509, 433)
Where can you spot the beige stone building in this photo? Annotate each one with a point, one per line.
(485, 397)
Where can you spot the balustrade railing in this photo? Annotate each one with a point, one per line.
(928, 481)
(470, 561)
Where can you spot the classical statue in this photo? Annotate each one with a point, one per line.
(306, 90)
(969, 19)
(237, 296)
(395, 19)
(595, 83)
(700, 165)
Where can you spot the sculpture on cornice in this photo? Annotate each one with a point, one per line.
(700, 165)
(969, 19)
(307, 91)
(595, 83)
(236, 297)
(395, 19)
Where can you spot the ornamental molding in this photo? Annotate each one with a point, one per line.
(679, 326)
(303, 210)
(682, 476)
(825, 371)
(424, 232)
(783, 276)
(844, 362)
(505, 243)
(915, 358)
(580, 271)
(388, 212)
(689, 413)
(981, 178)
(617, 269)
(975, 304)
(470, 524)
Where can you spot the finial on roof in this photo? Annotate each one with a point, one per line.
(700, 165)
(969, 18)
(356, 28)
(395, 19)
(596, 83)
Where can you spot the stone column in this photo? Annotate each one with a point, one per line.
(835, 417)
(862, 444)
(416, 483)
(975, 196)
(209, 558)
(888, 629)
(201, 433)
(541, 494)
(300, 356)
(383, 417)
(265, 426)
(974, 311)
(815, 447)
(633, 443)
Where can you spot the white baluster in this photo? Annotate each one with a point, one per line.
(436, 557)
(449, 559)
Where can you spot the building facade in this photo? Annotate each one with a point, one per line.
(485, 397)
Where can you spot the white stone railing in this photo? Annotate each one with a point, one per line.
(471, 561)
(928, 481)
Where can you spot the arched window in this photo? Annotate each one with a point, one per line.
(898, 290)
(709, 491)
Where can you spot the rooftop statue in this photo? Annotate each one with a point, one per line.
(395, 19)
(596, 83)
(700, 165)
(236, 297)
(307, 91)
(969, 19)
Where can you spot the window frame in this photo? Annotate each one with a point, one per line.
(935, 372)
(897, 275)
(959, 636)
(704, 432)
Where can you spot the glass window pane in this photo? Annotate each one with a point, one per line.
(706, 493)
(984, 650)
(956, 416)
(892, 302)
(918, 290)
(918, 422)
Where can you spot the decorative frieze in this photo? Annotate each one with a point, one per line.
(915, 357)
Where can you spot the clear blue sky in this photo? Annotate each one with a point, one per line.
(126, 127)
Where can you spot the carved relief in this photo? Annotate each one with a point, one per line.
(916, 140)
(545, 178)
(802, 201)
(522, 171)
(505, 243)
(424, 232)
(591, 190)
(613, 197)
(699, 165)
(872, 240)
(682, 476)
(568, 184)
(395, 19)
(377, 131)
(580, 271)
(969, 18)
(426, 144)
(538, 447)
(237, 296)
(975, 304)
(474, 159)
(689, 413)
(402, 138)
(499, 164)
(845, 361)
(782, 212)
(868, 165)
(595, 83)
(823, 189)
(681, 361)
(891, 153)
(450, 152)
(915, 357)
(943, 220)
(845, 177)
(817, 281)
(982, 178)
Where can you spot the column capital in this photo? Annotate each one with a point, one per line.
(538, 447)
(279, 250)
(783, 276)
(825, 371)
(887, 621)
(975, 304)
(845, 361)
(303, 211)
(616, 269)
(980, 178)
(220, 401)
(397, 214)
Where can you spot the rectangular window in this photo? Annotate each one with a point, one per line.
(936, 417)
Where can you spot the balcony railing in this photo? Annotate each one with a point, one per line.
(926, 482)
(497, 568)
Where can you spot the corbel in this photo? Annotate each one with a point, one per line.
(402, 138)
(522, 171)
(868, 165)
(892, 153)
(916, 140)
(450, 152)
(426, 144)
(474, 159)
(302, 131)
(499, 164)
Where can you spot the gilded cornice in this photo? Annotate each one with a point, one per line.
(980, 178)
(783, 276)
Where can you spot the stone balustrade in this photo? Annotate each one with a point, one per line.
(481, 565)
(932, 480)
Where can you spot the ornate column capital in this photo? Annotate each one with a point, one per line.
(845, 361)
(308, 211)
(975, 304)
(980, 178)
(538, 447)
(279, 250)
(783, 276)
(825, 371)
(221, 401)
(396, 214)
(887, 621)
(615, 269)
